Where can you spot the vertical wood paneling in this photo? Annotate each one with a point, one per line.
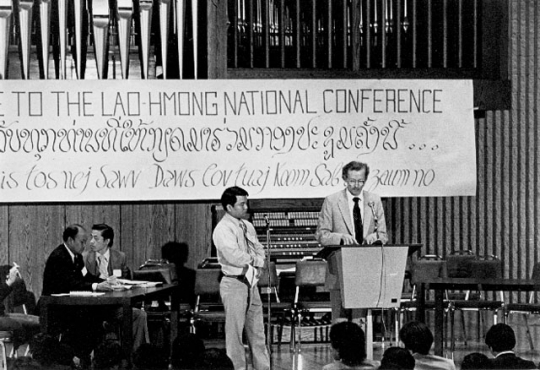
(33, 234)
(4, 237)
(194, 226)
(145, 229)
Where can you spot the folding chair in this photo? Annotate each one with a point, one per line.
(526, 309)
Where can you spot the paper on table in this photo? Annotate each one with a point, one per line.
(251, 276)
(139, 282)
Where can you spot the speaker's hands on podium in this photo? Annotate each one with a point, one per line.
(348, 240)
(372, 238)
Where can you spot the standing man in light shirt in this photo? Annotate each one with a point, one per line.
(104, 261)
(351, 216)
(240, 254)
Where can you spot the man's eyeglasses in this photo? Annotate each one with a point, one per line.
(356, 182)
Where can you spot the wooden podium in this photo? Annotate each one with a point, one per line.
(370, 277)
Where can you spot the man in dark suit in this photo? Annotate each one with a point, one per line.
(65, 272)
(501, 340)
(104, 261)
(351, 216)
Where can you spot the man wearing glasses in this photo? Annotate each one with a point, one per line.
(351, 216)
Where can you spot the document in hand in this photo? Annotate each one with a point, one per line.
(251, 276)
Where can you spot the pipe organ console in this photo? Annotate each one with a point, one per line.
(287, 227)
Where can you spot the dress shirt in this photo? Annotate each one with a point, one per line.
(103, 259)
(233, 252)
(350, 202)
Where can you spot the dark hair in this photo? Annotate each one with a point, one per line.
(475, 360)
(501, 337)
(187, 351)
(71, 231)
(397, 358)
(44, 349)
(24, 363)
(229, 196)
(216, 359)
(107, 354)
(354, 166)
(175, 252)
(107, 232)
(348, 339)
(417, 337)
(150, 357)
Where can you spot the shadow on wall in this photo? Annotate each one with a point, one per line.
(178, 253)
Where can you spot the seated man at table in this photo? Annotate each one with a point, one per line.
(65, 272)
(105, 262)
(501, 340)
(418, 339)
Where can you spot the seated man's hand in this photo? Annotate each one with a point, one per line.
(104, 286)
(348, 240)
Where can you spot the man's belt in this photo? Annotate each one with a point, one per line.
(241, 278)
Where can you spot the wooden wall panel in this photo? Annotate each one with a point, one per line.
(145, 228)
(194, 227)
(4, 237)
(33, 234)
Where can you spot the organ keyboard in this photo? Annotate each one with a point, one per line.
(291, 227)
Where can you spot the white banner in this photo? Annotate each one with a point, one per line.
(170, 140)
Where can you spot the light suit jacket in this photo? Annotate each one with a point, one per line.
(117, 261)
(335, 221)
(335, 218)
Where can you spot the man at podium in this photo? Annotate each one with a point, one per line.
(351, 216)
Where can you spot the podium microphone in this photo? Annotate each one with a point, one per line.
(376, 221)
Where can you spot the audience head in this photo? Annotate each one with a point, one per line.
(500, 337)
(416, 337)
(107, 355)
(397, 358)
(475, 361)
(187, 351)
(150, 357)
(349, 343)
(216, 359)
(47, 351)
(24, 363)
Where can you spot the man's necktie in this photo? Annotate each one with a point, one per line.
(358, 227)
(249, 244)
(102, 263)
(79, 263)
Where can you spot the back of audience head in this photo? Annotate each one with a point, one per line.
(150, 357)
(475, 361)
(216, 359)
(48, 351)
(397, 358)
(108, 355)
(348, 341)
(500, 337)
(24, 363)
(187, 351)
(416, 337)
